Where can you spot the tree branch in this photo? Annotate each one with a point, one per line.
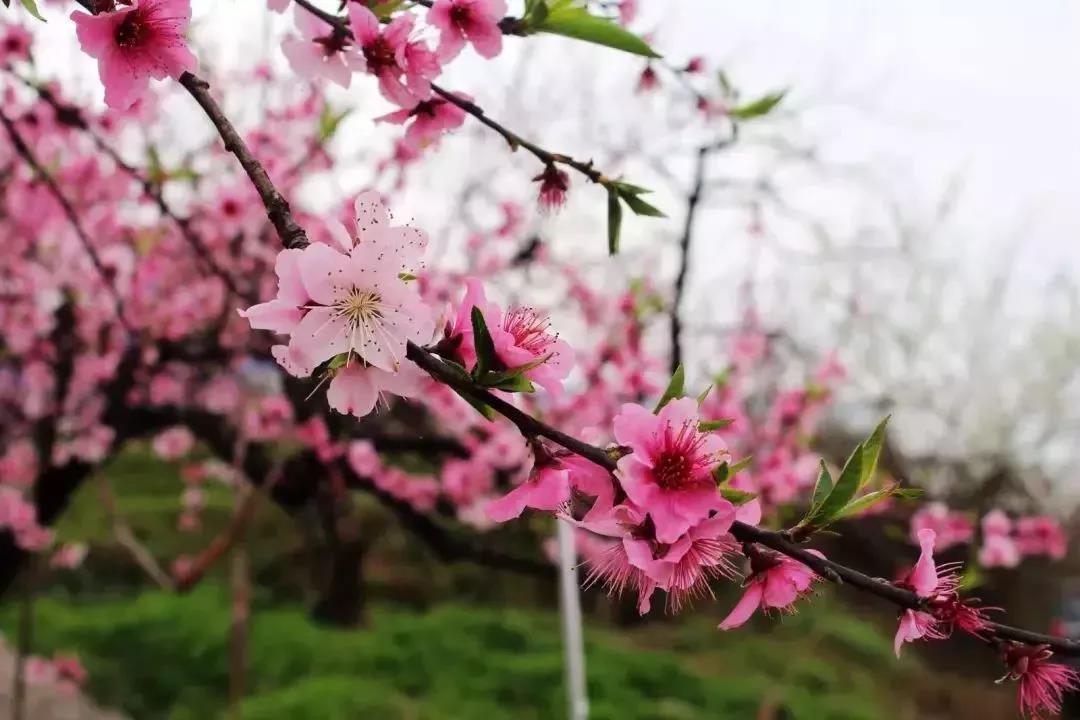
(277, 209)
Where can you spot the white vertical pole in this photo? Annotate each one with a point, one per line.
(572, 631)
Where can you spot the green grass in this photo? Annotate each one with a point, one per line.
(162, 656)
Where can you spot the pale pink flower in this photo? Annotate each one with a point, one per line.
(1042, 683)
(355, 302)
(174, 443)
(321, 50)
(669, 471)
(356, 387)
(475, 21)
(775, 581)
(136, 43)
(278, 6)
(404, 68)
(427, 120)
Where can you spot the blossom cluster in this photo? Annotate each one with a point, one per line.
(1003, 541)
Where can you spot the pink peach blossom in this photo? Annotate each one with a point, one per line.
(404, 67)
(775, 581)
(669, 470)
(136, 43)
(321, 51)
(475, 21)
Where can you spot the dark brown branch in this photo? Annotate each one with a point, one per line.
(692, 203)
(277, 209)
(69, 212)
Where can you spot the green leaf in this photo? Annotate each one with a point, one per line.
(759, 107)
(908, 493)
(640, 207)
(329, 121)
(614, 221)
(483, 344)
(742, 465)
(871, 453)
(865, 502)
(386, 8)
(572, 20)
(516, 383)
(721, 473)
(710, 425)
(480, 407)
(845, 488)
(626, 188)
(822, 488)
(406, 276)
(673, 390)
(704, 394)
(737, 497)
(32, 8)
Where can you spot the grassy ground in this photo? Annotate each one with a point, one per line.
(161, 656)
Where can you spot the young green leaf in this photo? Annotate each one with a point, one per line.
(573, 20)
(640, 207)
(871, 453)
(483, 344)
(32, 8)
(742, 464)
(721, 473)
(736, 497)
(842, 492)
(673, 390)
(711, 425)
(517, 383)
(822, 488)
(329, 121)
(865, 502)
(626, 188)
(614, 221)
(704, 394)
(762, 106)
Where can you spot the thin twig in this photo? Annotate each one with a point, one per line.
(127, 539)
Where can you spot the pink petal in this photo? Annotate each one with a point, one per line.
(275, 316)
(636, 428)
(486, 38)
(364, 24)
(924, 577)
(352, 392)
(322, 271)
(744, 609)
